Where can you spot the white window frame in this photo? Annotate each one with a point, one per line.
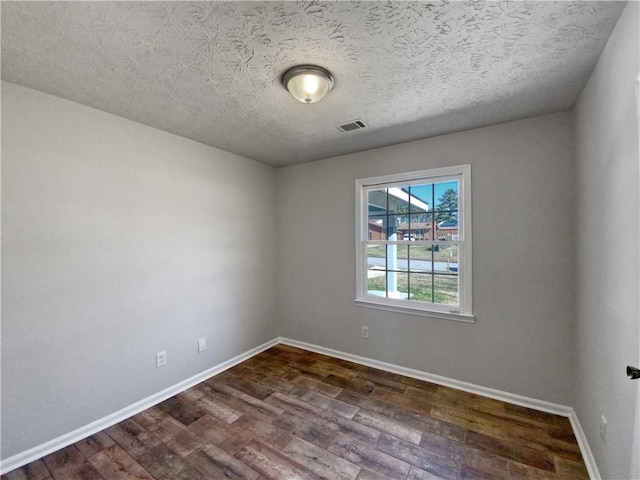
(464, 311)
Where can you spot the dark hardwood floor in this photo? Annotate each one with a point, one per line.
(292, 414)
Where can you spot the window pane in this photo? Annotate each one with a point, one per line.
(421, 198)
(376, 282)
(445, 289)
(446, 258)
(398, 200)
(377, 227)
(447, 226)
(421, 226)
(421, 284)
(397, 285)
(446, 196)
(397, 257)
(376, 256)
(377, 200)
(393, 227)
(420, 258)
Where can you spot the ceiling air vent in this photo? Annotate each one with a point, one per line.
(351, 126)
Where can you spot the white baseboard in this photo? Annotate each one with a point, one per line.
(549, 407)
(587, 454)
(70, 438)
(51, 446)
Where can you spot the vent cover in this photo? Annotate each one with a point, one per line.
(351, 126)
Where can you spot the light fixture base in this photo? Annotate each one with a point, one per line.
(308, 83)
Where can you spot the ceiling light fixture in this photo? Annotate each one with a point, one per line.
(307, 83)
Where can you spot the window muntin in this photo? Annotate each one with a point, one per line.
(413, 241)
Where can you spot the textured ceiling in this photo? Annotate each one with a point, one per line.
(211, 71)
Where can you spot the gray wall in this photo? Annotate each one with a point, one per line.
(607, 246)
(118, 241)
(523, 261)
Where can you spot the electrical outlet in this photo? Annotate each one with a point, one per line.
(161, 359)
(364, 332)
(202, 344)
(603, 429)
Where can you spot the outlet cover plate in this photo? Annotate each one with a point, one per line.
(161, 359)
(364, 332)
(202, 344)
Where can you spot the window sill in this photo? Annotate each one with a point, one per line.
(456, 317)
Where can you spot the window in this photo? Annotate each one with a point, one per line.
(413, 242)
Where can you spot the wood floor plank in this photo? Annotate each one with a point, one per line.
(323, 463)
(160, 423)
(411, 382)
(388, 425)
(468, 421)
(284, 386)
(477, 460)
(83, 472)
(451, 397)
(94, 444)
(445, 446)
(331, 404)
(217, 409)
(562, 430)
(348, 427)
(366, 474)
(272, 464)
(419, 474)
(368, 456)
(134, 439)
(113, 463)
(470, 473)
(184, 443)
(214, 462)
(183, 411)
(543, 417)
(570, 468)
(355, 384)
(256, 390)
(562, 448)
(36, 470)
(326, 369)
(415, 404)
(309, 430)
(163, 463)
(69, 464)
(68, 458)
(510, 420)
(298, 358)
(292, 405)
(245, 403)
(511, 450)
(328, 420)
(295, 414)
(219, 434)
(427, 423)
(424, 459)
(381, 381)
(247, 373)
(363, 401)
(518, 471)
(264, 432)
(311, 383)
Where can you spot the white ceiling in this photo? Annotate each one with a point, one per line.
(211, 71)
